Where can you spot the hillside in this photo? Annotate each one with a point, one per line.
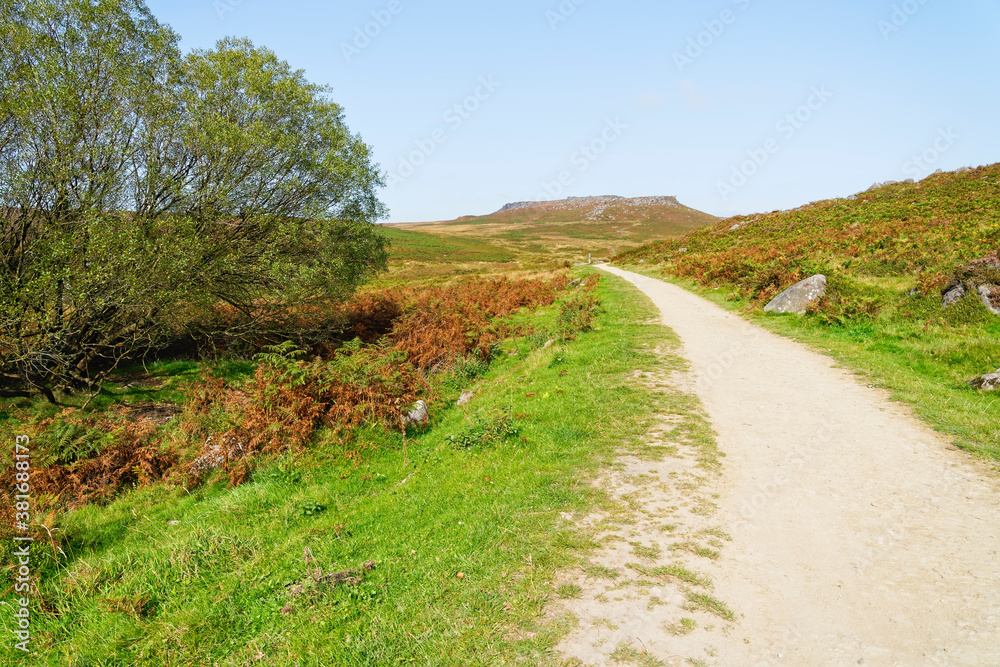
(884, 242)
(539, 232)
(890, 255)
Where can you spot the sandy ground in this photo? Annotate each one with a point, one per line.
(844, 530)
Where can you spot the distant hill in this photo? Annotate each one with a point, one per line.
(575, 227)
(606, 208)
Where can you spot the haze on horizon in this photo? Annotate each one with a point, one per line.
(733, 106)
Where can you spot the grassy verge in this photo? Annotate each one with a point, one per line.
(922, 358)
(434, 549)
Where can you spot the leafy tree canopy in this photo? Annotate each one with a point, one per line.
(143, 189)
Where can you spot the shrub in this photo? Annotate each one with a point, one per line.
(485, 431)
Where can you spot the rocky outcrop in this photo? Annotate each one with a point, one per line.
(990, 296)
(599, 205)
(797, 298)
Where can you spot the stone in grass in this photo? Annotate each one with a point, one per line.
(990, 294)
(796, 298)
(988, 382)
(464, 398)
(952, 295)
(418, 415)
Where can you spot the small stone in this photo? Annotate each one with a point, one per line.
(175, 522)
(549, 343)
(952, 295)
(418, 415)
(464, 398)
(988, 382)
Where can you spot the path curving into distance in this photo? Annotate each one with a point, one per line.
(860, 535)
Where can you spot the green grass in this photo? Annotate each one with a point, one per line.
(683, 627)
(874, 251)
(228, 576)
(156, 382)
(673, 571)
(707, 603)
(418, 246)
(627, 655)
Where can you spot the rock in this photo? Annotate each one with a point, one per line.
(575, 283)
(418, 415)
(852, 197)
(952, 295)
(549, 343)
(464, 398)
(988, 382)
(963, 170)
(683, 250)
(734, 227)
(913, 292)
(988, 293)
(876, 186)
(798, 296)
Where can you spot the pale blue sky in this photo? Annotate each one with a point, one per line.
(886, 80)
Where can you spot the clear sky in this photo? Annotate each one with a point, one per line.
(734, 106)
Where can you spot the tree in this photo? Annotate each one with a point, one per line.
(141, 189)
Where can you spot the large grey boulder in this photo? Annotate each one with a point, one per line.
(953, 295)
(986, 293)
(988, 382)
(796, 298)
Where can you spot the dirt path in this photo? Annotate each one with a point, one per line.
(858, 535)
